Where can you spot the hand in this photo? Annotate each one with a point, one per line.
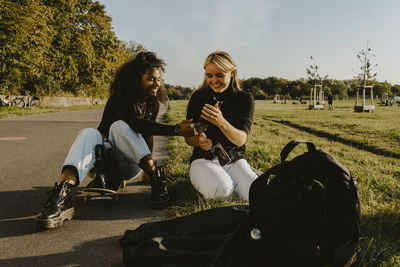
(204, 142)
(187, 128)
(201, 126)
(213, 114)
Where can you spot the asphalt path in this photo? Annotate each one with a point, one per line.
(32, 151)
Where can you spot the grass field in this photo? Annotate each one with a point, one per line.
(6, 112)
(368, 144)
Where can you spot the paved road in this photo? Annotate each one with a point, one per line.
(29, 166)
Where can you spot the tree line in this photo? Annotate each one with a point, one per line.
(267, 88)
(300, 88)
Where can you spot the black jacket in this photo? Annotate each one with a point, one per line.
(119, 108)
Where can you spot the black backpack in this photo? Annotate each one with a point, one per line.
(303, 212)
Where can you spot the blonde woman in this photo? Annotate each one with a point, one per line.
(218, 167)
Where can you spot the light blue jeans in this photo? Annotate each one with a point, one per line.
(129, 147)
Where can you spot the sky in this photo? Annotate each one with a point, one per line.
(264, 37)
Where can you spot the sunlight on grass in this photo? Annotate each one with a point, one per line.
(7, 112)
(368, 144)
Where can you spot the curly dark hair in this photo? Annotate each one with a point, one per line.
(127, 81)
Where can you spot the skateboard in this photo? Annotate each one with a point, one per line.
(93, 192)
(97, 193)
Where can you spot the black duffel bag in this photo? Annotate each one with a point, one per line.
(193, 239)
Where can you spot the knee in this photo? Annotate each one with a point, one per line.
(90, 133)
(216, 187)
(223, 190)
(118, 128)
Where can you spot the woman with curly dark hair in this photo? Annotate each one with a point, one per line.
(128, 125)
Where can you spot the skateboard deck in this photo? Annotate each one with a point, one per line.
(94, 193)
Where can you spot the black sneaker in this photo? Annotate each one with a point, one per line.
(58, 207)
(159, 197)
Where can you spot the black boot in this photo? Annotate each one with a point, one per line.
(159, 195)
(57, 208)
(106, 168)
(99, 180)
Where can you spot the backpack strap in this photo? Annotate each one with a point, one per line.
(292, 144)
(259, 186)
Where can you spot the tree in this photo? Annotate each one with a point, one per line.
(25, 39)
(338, 88)
(178, 92)
(85, 47)
(59, 47)
(395, 90)
(366, 69)
(257, 93)
(313, 75)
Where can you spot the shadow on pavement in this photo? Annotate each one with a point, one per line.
(17, 216)
(99, 252)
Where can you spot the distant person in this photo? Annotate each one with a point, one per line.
(330, 101)
(218, 167)
(128, 123)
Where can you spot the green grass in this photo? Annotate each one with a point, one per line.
(6, 112)
(368, 144)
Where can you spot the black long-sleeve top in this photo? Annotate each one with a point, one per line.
(141, 120)
(236, 107)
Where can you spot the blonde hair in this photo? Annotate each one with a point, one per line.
(224, 61)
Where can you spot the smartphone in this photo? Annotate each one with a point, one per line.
(219, 152)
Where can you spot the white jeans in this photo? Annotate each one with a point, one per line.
(214, 181)
(130, 148)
